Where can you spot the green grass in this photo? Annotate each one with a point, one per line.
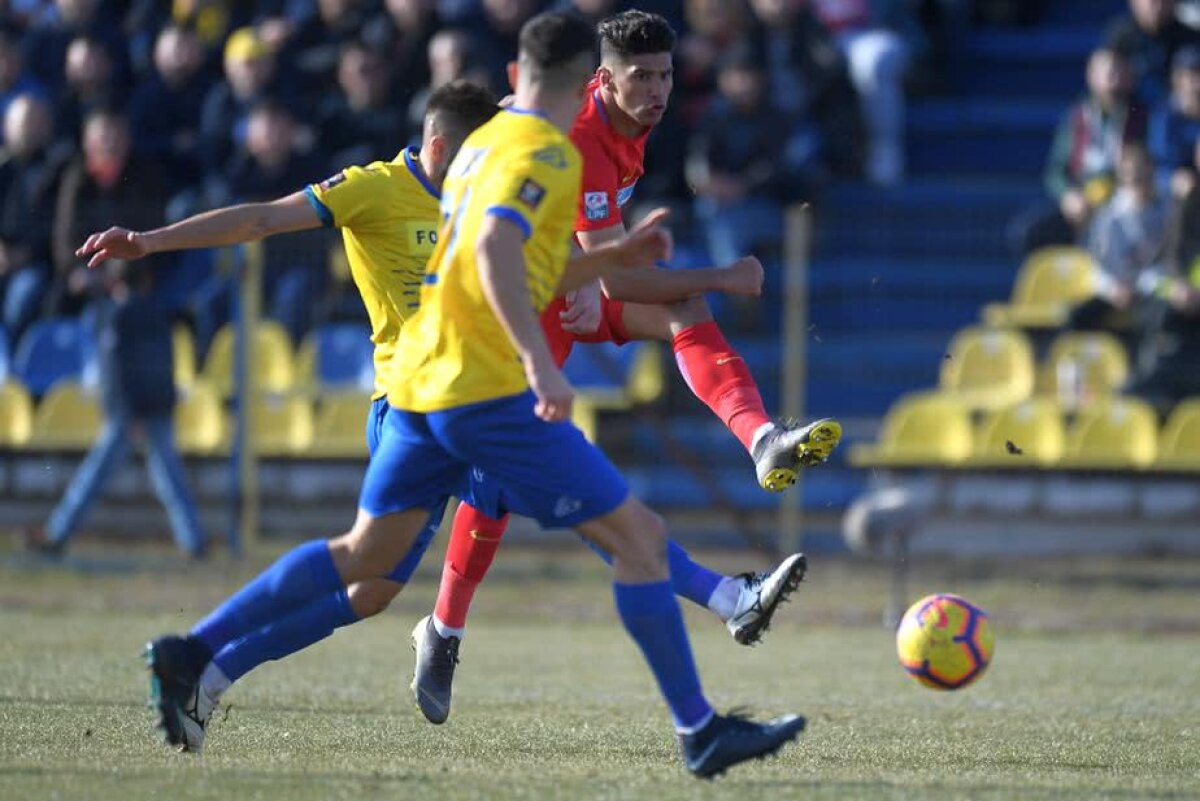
(1094, 693)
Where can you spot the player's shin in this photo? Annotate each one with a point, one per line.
(719, 377)
(474, 539)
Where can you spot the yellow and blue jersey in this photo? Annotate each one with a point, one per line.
(454, 351)
(388, 213)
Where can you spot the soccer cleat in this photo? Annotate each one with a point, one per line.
(782, 451)
(184, 708)
(760, 595)
(437, 657)
(727, 740)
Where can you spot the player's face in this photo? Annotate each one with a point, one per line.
(641, 86)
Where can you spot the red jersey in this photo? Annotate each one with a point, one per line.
(612, 164)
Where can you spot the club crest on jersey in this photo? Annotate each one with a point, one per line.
(553, 155)
(531, 193)
(595, 205)
(332, 181)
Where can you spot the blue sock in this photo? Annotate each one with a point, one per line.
(299, 576)
(651, 616)
(689, 579)
(293, 632)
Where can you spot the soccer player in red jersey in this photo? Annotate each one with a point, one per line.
(627, 97)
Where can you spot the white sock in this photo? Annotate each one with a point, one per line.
(446, 632)
(214, 682)
(723, 601)
(759, 433)
(700, 725)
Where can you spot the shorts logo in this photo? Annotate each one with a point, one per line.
(531, 193)
(567, 506)
(595, 205)
(332, 181)
(477, 474)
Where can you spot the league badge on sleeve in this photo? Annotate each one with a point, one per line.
(595, 205)
(531, 193)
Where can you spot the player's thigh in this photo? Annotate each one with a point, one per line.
(662, 321)
(635, 536)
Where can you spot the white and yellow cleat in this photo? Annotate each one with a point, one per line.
(782, 450)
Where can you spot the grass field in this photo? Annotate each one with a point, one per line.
(1094, 692)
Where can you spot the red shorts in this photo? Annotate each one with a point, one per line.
(611, 328)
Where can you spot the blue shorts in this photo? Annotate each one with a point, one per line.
(496, 455)
(403, 571)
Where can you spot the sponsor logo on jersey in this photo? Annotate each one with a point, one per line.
(595, 205)
(421, 238)
(531, 193)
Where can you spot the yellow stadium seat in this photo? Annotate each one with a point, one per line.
(1027, 435)
(1179, 446)
(305, 374)
(1049, 282)
(646, 383)
(272, 367)
(184, 347)
(68, 418)
(1114, 434)
(200, 421)
(988, 368)
(282, 426)
(926, 429)
(1095, 362)
(340, 425)
(16, 414)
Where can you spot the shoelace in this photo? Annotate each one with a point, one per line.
(443, 667)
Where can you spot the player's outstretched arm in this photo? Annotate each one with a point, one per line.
(646, 244)
(232, 225)
(500, 257)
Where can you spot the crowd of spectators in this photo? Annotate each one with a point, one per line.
(139, 112)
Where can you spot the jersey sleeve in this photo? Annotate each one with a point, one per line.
(350, 198)
(597, 202)
(531, 185)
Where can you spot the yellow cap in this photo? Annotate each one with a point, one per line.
(244, 44)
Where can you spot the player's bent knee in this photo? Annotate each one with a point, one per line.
(369, 598)
(376, 544)
(637, 537)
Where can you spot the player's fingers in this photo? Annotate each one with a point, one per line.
(98, 258)
(654, 218)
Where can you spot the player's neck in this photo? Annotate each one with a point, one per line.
(558, 111)
(426, 165)
(621, 122)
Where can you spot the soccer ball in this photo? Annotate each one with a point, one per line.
(944, 642)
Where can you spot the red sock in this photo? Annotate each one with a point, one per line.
(718, 376)
(474, 539)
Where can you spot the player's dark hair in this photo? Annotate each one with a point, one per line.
(459, 107)
(553, 40)
(635, 33)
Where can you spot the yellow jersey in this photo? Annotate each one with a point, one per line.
(388, 213)
(454, 351)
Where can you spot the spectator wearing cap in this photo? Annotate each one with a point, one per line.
(748, 158)
(361, 122)
(1149, 36)
(1174, 126)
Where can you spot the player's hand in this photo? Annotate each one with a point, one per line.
(743, 277)
(115, 243)
(648, 243)
(554, 394)
(584, 308)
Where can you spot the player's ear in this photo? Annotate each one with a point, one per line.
(439, 148)
(605, 74)
(512, 75)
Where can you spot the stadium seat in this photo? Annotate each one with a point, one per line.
(614, 378)
(16, 415)
(273, 367)
(200, 420)
(1113, 434)
(920, 430)
(68, 418)
(1098, 361)
(1048, 283)
(340, 424)
(988, 368)
(282, 426)
(336, 357)
(5, 354)
(184, 347)
(1179, 445)
(50, 351)
(1029, 434)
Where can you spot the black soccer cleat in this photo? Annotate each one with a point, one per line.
(729, 739)
(437, 656)
(184, 709)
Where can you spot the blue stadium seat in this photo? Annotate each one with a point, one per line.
(50, 351)
(600, 366)
(341, 355)
(5, 354)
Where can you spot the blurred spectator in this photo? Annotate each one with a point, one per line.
(878, 60)
(47, 42)
(312, 50)
(497, 29)
(712, 27)
(402, 34)
(30, 168)
(165, 107)
(1174, 126)
(809, 78)
(592, 10)
(1150, 36)
(89, 86)
(106, 182)
(361, 123)
(747, 159)
(451, 58)
(15, 79)
(133, 337)
(1127, 241)
(1083, 157)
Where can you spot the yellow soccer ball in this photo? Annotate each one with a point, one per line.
(945, 642)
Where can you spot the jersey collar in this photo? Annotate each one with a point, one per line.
(530, 111)
(414, 166)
